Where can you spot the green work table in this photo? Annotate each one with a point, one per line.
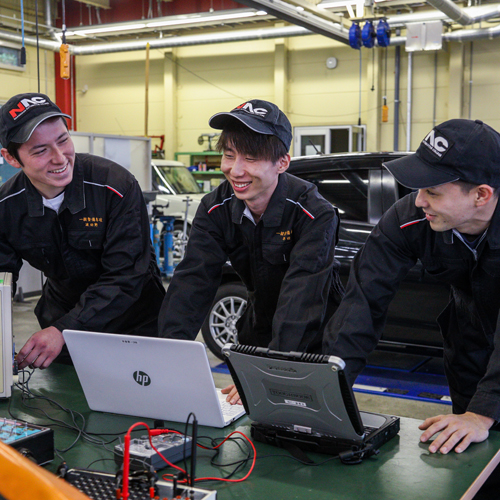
(403, 469)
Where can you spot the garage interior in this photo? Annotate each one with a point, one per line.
(382, 71)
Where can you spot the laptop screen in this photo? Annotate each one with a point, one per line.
(306, 392)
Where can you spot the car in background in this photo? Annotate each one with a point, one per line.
(362, 190)
(175, 184)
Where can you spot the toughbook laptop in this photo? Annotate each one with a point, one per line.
(304, 400)
(158, 378)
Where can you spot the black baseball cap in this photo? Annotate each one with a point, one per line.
(467, 150)
(22, 114)
(262, 117)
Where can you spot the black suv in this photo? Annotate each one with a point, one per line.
(362, 189)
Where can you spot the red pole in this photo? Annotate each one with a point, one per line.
(65, 98)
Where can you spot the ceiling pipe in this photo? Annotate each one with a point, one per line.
(166, 42)
(30, 40)
(456, 13)
(473, 34)
(465, 35)
(48, 19)
(459, 36)
(184, 41)
(477, 14)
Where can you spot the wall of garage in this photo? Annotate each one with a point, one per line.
(187, 85)
(16, 82)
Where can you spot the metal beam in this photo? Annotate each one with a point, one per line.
(323, 13)
(289, 13)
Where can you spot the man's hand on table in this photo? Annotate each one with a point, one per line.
(41, 349)
(457, 431)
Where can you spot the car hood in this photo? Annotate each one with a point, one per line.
(193, 196)
(176, 207)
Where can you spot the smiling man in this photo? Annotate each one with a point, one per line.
(83, 222)
(276, 230)
(452, 225)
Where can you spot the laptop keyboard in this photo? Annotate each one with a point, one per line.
(229, 410)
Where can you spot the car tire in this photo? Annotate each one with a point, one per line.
(219, 327)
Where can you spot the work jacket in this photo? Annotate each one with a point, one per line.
(286, 261)
(96, 252)
(468, 324)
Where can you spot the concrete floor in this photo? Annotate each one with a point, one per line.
(25, 324)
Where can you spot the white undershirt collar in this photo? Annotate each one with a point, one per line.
(54, 203)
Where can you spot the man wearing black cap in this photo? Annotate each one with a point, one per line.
(276, 230)
(82, 221)
(452, 225)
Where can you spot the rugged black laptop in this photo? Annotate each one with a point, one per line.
(305, 400)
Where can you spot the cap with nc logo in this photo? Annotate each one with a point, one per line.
(22, 114)
(262, 117)
(457, 149)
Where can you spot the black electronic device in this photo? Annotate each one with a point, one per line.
(172, 446)
(301, 400)
(102, 486)
(31, 440)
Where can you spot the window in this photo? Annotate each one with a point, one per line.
(347, 190)
(330, 139)
(10, 56)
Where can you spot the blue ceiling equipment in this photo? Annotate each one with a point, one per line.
(355, 36)
(368, 35)
(383, 33)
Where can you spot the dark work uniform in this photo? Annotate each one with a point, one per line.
(469, 326)
(96, 252)
(286, 261)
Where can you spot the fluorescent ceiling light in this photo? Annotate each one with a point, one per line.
(202, 19)
(345, 4)
(167, 21)
(337, 3)
(360, 8)
(107, 29)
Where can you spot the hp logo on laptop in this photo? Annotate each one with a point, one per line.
(142, 378)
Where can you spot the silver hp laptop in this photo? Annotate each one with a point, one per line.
(305, 400)
(148, 377)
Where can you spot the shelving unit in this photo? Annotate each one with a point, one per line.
(208, 179)
(210, 158)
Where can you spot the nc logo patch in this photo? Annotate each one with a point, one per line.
(437, 143)
(247, 107)
(25, 104)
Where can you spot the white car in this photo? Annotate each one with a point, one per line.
(175, 184)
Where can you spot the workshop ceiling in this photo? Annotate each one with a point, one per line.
(94, 22)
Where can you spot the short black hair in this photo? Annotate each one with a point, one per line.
(13, 149)
(466, 187)
(246, 141)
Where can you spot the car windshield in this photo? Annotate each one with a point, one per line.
(174, 180)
